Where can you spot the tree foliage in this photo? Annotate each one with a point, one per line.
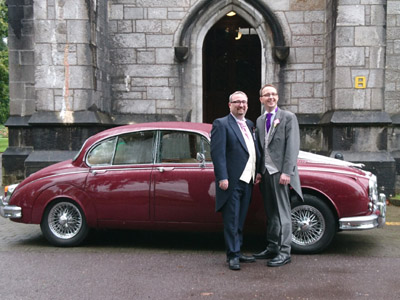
(4, 90)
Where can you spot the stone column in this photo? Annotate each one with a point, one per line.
(22, 87)
(392, 80)
(358, 124)
(60, 94)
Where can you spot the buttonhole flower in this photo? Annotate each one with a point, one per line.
(276, 122)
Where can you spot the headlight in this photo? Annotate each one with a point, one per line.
(373, 189)
(8, 190)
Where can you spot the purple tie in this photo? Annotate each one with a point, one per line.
(268, 123)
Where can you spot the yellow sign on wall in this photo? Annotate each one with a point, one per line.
(360, 82)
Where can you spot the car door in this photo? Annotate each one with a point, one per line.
(119, 177)
(184, 188)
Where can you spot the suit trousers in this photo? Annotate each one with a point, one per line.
(234, 214)
(278, 210)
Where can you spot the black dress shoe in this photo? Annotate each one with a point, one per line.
(246, 259)
(280, 260)
(266, 254)
(234, 264)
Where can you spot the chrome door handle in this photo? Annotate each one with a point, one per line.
(162, 169)
(99, 172)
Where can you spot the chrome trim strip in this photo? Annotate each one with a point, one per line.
(62, 174)
(316, 169)
(119, 169)
(55, 175)
(191, 167)
(196, 165)
(153, 167)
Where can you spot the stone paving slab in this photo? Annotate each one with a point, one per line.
(12, 233)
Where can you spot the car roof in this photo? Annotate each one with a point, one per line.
(202, 128)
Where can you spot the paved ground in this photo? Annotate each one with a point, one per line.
(149, 265)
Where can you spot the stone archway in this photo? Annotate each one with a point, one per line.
(191, 36)
(231, 62)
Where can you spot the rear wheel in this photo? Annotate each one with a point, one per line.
(313, 225)
(64, 224)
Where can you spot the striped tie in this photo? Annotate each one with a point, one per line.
(243, 126)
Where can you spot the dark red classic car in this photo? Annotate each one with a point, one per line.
(159, 176)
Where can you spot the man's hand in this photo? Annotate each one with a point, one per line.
(258, 178)
(284, 179)
(223, 184)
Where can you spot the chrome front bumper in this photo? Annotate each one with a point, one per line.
(9, 211)
(376, 220)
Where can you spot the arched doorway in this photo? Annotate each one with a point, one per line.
(230, 63)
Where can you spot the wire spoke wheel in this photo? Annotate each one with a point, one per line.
(65, 220)
(308, 225)
(64, 223)
(313, 225)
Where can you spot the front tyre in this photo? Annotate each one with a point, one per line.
(313, 225)
(64, 224)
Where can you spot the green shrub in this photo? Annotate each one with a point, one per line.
(3, 131)
(3, 144)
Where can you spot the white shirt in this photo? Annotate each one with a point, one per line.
(249, 171)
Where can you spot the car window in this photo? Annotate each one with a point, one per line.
(206, 149)
(102, 153)
(182, 147)
(134, 148)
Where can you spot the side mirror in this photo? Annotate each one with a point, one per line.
(201, 158)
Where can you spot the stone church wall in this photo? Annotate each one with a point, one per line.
(77, 67)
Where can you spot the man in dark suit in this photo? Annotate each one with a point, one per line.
(278, 138)
(234, 156)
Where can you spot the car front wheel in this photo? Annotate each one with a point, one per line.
(313, 225)
(64, 224)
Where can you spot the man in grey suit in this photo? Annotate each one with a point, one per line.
(278, 137)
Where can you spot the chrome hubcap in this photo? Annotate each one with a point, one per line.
(308, 225)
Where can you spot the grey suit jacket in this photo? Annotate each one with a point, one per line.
(283, 145)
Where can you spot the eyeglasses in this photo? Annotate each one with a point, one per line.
(244, 102)
(270, 95)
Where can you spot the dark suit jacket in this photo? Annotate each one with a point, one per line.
(283, 145)
(229, 154)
